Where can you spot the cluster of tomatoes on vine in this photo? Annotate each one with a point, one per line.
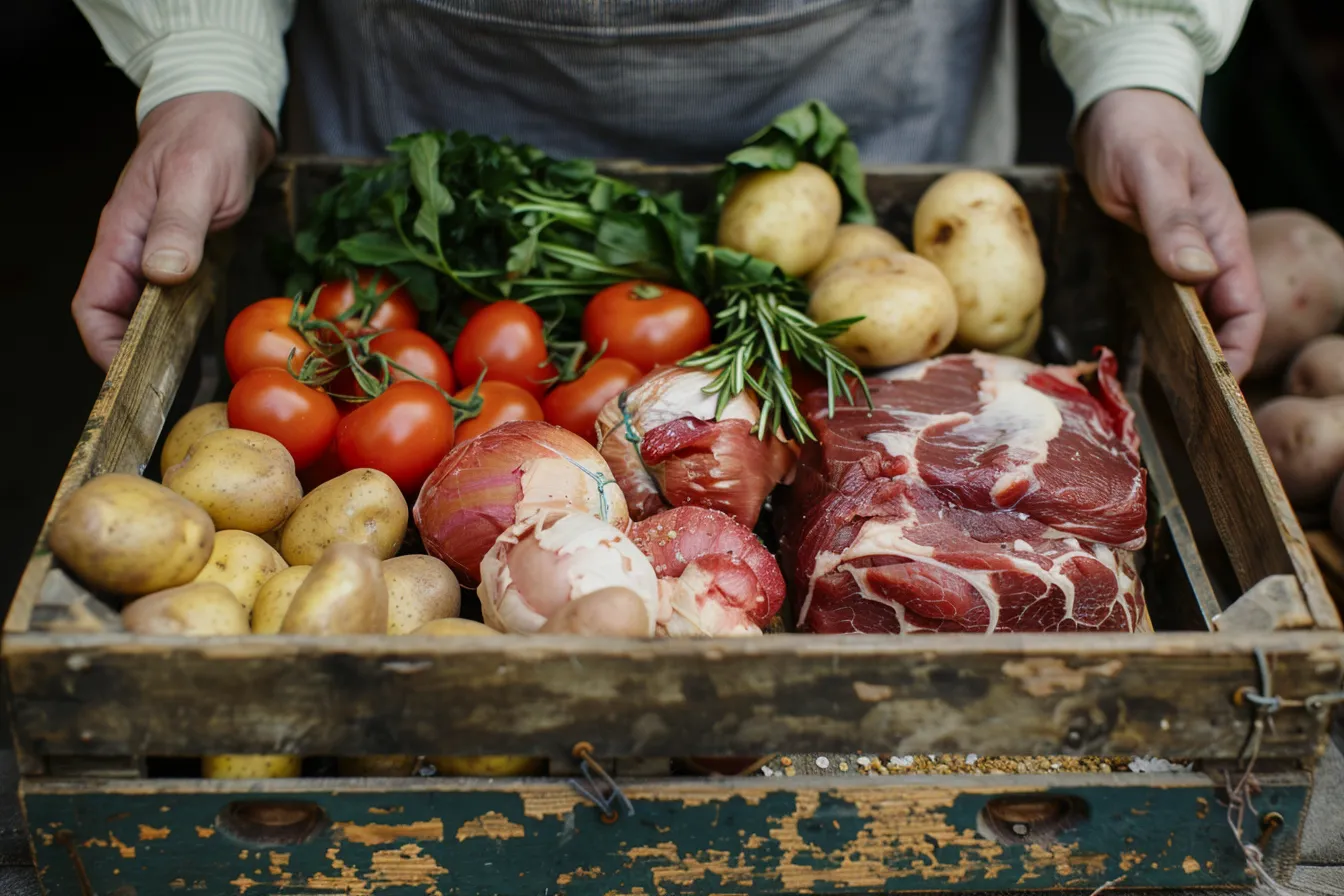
(346, 380)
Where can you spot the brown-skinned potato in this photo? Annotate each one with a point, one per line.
(274, 598)
(198, 608)
(1305, 438)
(787, 217)
(343, 594)
(854, 241)
(419, 588)
(130, 536)
(194, 423)
(1318, 370)
(243, 563)
(244, 480)
(1300, 260)
(362, 507)
(613, 612)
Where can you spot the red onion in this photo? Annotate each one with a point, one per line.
(540, 564)
(715, 576)
(503, 476)
(666, 448)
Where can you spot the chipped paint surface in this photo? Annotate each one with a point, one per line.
(743, 836)
(204, 832)
(1046, 676)
(151, 833)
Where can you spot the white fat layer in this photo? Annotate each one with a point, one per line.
(691, 614)
(901, 442)
(554, 483)
(679, 392)
(591, 555)
(1016, 416)
(887, 537)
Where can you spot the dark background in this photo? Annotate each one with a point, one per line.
(1273, 113)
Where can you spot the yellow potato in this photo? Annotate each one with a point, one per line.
(389, 766)
(274, 598)
(362, 507)
(788, 217)
(249, 766)
(908, 309)
(615, 612)
(199, 608)
(975, 227)
(854, 241)
(194, 423)
(343, 594)
(454, 627)
(244, 480)
(130, 536)
(487, 766)
(419, 588)
(241, 562)
(1024, 345)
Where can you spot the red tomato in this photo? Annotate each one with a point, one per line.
(397, 311)
(575, 405)
(404, 432)
(268, 400)
(500, 403)
(260, 336)
(418, 353)
(504, 339)
(646, 324)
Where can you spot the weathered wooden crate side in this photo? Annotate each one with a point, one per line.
(740, 836)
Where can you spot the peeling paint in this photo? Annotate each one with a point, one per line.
(1190, 865)
(379, 834)
(204, 833)
(178, 883)
(386, 810)
(127, 852)
(873, 693)
(1203, 810)
(149, 833)
(1046, 676)
(1130, 859)
(243, 883)
(492, 825)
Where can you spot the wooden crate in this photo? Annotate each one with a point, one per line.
(1231, 584)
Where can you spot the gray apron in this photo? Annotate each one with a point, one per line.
(665, 81)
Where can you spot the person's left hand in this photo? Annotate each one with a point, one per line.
(1149, 165)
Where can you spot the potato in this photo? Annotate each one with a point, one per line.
(244, 480)
(274, 598)
(248, 766)
(419, 588)
(360, 507)
(130, 536)
(389, 766)
(1318, 370)
(487, 766)
(1024, 345)
(1301, 264)
(455, 627)
(909, 310)
(194, 423)
(199, 608)
(1305, 438)
(854, 241)
(975, 227)
(788, 217)
(343, 594)
(241, 562)
(614, 612)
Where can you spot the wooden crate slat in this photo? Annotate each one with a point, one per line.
(754, 836)
(1081, 694)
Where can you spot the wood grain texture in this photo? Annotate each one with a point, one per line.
(1329, 553)
(1078, 694)
(1248, 502)
(128, 414)
(727, 836)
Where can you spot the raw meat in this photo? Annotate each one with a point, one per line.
(979, 494)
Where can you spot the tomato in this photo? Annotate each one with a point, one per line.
(646, 324)
(260, 336)
(506, 340)
(575, 405)
(404, 432)
(500, 403)
(411, 349)
(268, 400)
(397, 311)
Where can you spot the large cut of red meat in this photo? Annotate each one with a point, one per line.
(979, 494)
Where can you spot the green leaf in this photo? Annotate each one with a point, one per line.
(848, 172)
(523, 255)
(629, 240)
(375, 249)
(776, 155)
(435, 200)
(421, 281)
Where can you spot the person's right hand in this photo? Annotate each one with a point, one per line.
(191, 173)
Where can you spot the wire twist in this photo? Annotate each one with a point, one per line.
(593, 791)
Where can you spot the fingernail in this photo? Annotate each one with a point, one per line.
(168, 261)
(1196, 261)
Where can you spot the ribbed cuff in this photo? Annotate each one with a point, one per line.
(1147, 55)
(208, 60)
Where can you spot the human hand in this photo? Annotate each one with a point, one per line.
(191, 173)
(1149, 165)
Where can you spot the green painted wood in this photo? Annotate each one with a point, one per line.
(689, 836)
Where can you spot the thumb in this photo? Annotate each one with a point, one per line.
(186, 205)
(1167, 214)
